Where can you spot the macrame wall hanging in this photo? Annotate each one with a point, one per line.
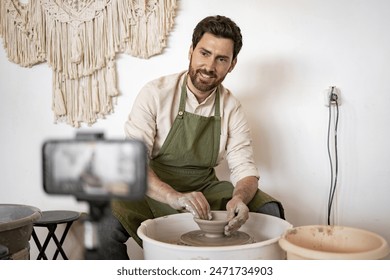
(79, 40)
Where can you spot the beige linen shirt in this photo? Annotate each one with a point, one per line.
(156, 108)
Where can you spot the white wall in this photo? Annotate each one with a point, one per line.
(293, 51)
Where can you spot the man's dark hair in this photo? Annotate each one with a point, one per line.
(219, 26)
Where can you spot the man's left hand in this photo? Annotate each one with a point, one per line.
(237, 215)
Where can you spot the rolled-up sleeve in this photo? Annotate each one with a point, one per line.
(141, 122)
(239, 150)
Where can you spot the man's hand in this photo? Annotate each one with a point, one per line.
(237, 215)
(238, 211)
(193, 202)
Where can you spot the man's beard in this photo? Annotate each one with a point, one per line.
(198, 84)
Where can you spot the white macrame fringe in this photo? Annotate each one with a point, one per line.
(80, 46)
(21, 30)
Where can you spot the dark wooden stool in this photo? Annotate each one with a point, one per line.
(50, 220)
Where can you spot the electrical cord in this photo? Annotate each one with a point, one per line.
(333, 169)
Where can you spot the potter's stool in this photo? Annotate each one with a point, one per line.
(50, 220)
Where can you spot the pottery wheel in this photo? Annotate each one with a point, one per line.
(198, 238)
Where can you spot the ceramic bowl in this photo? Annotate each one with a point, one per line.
(214, 227)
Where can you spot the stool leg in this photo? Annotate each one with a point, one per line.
(50, 235)
(39, 246)
(59, 247)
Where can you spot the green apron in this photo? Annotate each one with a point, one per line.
(186, 162)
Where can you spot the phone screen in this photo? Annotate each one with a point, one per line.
(95, 169)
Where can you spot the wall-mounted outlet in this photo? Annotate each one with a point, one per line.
(332, 96)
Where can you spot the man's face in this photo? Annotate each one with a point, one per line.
(210, 62)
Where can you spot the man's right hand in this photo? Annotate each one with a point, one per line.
(193, 202)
